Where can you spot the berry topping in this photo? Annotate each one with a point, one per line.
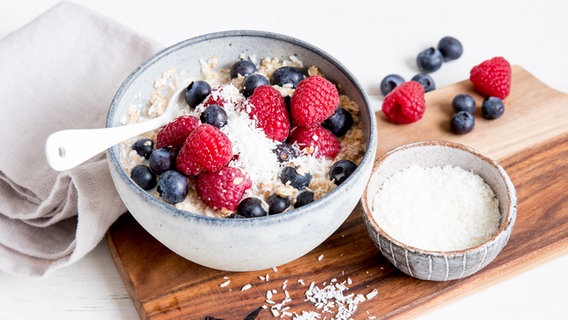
(462, 122)
(314, 100)
(463, 102)
(206, 149)
(285, 152)
(173, 186)
(317, 141)
(251, 208)
(298, 180)
(492, 78)
(304, 198)
(252, 82)
(143, 177)
(341, 170)
(214, 115)
(269, 109)
(451, 48)
(425, 81)
(390, 82)
(286, 75)
(405, 104)
(429, 60)
(216, 97)
(243, 68)
(143, 147)
(162, 159)
(339, 123)
(174, 133)
(196, 92)
(223, 189)
(277, 204)
(492, 108)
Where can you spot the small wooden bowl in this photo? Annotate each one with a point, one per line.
(440, 265)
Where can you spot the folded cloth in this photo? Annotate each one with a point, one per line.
(60, 71)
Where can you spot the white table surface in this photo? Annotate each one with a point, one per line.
(371, 38)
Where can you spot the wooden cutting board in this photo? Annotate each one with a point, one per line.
(531, 143)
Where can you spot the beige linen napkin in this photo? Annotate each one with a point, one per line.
(60, 71)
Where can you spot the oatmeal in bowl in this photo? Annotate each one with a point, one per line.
(269, 154)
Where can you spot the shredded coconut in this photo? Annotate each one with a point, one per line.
(440, 208)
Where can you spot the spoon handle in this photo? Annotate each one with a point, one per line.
(67, 149)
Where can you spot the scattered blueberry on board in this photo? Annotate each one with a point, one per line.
(492, 108)
(429, 60)
(425, 81)
(463, 102)
(390, 82)
(462, 122)
(450, 48)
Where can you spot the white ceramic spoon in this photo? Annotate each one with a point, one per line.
(67, 149)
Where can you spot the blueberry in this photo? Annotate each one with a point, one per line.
(390, 82)
(242, 67)
(286, 75)
(143, 147)
(277, 204)
(252, 82)
(196, 92)
(143, 177)
(285, 152)
(425, 81)
(173, 186)
(451, 48)
(492, 108)
(290, 175)
(463, 102)
(304, 198)
(214, 115)
(162, 159)
(339, 123)
(462, 122)
(251, 208)
(341, 170)
(429, 60)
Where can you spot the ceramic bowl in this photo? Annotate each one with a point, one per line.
(440, 265)
(241, 244)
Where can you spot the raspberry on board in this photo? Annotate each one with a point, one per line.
(267, 106)
(405, 104)
(316, 140)
(224, 189)
(206, 149)
(175, 132)
(492, 78)
(314, 100)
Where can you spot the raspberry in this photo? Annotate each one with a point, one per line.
(223, 189)
(174, 133)
(316, 140)
(269, 109)
(314, 100)
(405, 104)
(206, 149)
(216, 97)
(492, 78)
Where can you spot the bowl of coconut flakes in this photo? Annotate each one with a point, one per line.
(439, 210)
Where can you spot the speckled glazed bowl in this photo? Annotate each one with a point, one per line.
(241, 244)
(439, 265)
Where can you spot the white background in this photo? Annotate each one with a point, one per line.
(372, 39)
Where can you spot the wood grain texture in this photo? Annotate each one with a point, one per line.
(531, 143)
